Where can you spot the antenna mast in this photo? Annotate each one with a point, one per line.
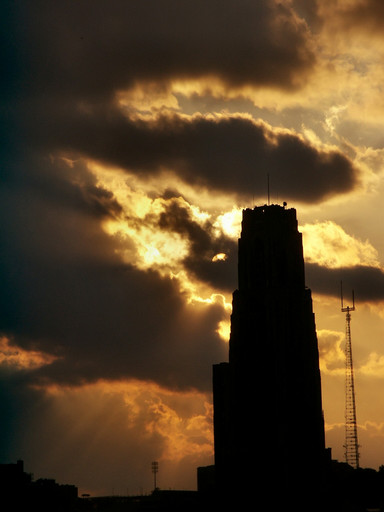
(351, 445)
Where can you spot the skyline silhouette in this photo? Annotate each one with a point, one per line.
(273, 336)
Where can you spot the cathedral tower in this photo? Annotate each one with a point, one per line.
(268, 421)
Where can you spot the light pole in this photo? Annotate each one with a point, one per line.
(155, 469)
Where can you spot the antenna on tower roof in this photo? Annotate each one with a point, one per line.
(268, 187)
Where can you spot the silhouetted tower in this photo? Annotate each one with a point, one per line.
(267, 398)
(351, 444)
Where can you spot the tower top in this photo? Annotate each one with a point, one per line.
(270, 249)
(274, 218)
(347, 308)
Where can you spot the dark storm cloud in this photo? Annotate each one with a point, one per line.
(95, 47)
(65, 292)
(363, 14)
(204, 245)
(232, 154)
(67, 59)
(367, 282)
(308, 10)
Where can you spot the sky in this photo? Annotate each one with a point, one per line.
(134, 133)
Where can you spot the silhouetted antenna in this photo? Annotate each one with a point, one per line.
(351, 444)
(155, 470)
(268, 187)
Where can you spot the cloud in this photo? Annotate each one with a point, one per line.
(172, 236)
(308, 10)
(333, 256)
(59, 100)
(203, 247)
(67, 293)
(259, 43)
(366, 281)
(360, 14)
(231, 154)
(327, 244)
(119, 425)
(97, 321)
(374, 366)
(14, 357)
(332, 356)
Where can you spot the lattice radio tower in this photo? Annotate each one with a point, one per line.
(351, 445)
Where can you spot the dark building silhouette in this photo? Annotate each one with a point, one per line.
(268, 420)
(19, 492)
(13, 479)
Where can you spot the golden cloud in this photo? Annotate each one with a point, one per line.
(326, 243)
(374, 366)
(182, 420)
(331, 353)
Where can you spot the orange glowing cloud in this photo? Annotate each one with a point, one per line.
(16, 358)
(123, 423)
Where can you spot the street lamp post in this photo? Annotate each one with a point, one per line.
(155, 469)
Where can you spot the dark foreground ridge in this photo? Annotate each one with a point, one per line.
(352, 490)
